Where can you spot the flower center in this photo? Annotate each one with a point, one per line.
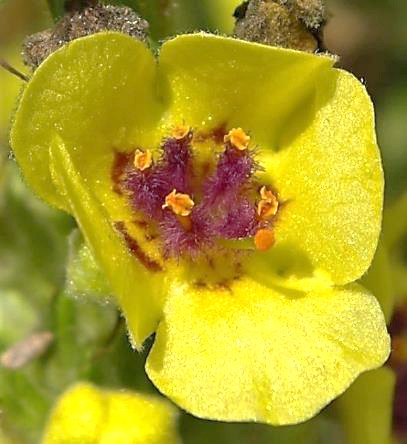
(199, 205)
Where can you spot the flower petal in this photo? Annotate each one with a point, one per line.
(331, 180)
(315, 130)
(256, 353)
(138, 290)
(91, 97)
(215, 80)
(85, 414)
(97, 94)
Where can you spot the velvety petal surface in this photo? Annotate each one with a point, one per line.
(313, 127)
(265, 354)
(97, 94)
(92, 97)
(138, 291)
(330, 178)
(214, 80)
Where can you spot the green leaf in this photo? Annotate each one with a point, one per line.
(24, 402)
(28, 228)
(17, 317)
(84, 276)
(90, 342)
(82, 330)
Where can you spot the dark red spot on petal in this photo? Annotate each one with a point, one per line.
(120, 167)
(135, 248)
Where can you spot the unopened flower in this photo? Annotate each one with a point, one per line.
(239, 240)
(87, 414)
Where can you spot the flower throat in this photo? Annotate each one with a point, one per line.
(198, 205)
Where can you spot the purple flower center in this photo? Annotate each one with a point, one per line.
(194, 204)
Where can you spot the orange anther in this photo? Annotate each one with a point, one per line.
(142, 159)
(180, 204)
(268, 205)
(266, 194)
(264, 239)
(180, 131)
(238, 138)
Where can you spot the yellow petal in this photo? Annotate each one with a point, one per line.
(330, 177)
(215, 80)
(137, 289)
(256, 353)
(97, 94)
(314, 128)
(366, 408)
(88, 415)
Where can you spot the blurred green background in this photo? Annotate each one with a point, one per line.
(90, 341)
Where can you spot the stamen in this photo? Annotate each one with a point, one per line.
(185, 221)
(268, 205)
(180, 131)
(238, 138)
(264, 239)
(142, 159)
(266, 194)
(226, 207)
(180, 204)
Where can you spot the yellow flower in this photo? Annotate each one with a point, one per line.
(256, 318)
(88, 415)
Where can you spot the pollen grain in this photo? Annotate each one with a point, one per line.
(180, 131)
(238, 139)
(268, 205)
(180, 204)
(142, 159)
